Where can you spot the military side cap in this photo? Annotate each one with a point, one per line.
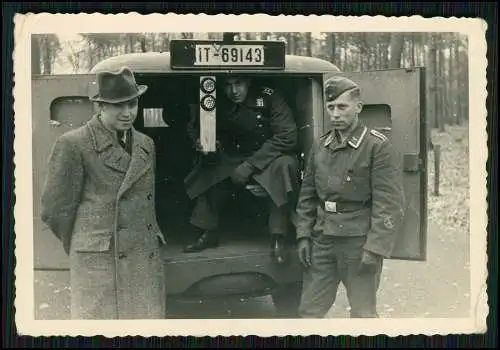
(336, 86)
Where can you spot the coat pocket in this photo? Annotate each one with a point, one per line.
(96, 241)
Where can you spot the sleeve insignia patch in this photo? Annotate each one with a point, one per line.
(389, 222)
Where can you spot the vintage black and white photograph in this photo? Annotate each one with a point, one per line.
(242, 181)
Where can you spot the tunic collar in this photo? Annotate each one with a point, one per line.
(354, 138)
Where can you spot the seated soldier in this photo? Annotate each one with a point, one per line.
(256, 146)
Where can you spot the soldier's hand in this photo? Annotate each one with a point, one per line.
(198, 147)
(161, 238)
(242, 173)
(369, 262)
(304, 251)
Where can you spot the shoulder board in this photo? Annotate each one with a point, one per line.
(267, 91)
(378, 134)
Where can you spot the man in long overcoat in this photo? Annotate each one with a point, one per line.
(257, 138)
(350, 208)
(99, 200)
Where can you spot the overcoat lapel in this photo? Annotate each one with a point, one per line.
(111, 154)
(140, 162)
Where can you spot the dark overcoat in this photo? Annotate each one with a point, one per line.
(353, 189)
(99, 201)
(261, 131)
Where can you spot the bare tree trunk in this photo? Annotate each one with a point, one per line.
(456, 81)
(293, 44)
(442, 85)
(332, 47)
(345, 62)
(385, 52)
(288, 38)
(131, 44)
(464, 98)
(433, 101)
(364, 53)
(419, 49)
(397, 44)
(451, 81)
(35, 55)
(411, 41)
(361, 55)
(446, 82)
(153, 42)
(308, 44)
(47, 59)
(165, 43)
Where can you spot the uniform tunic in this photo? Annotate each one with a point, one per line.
(260, 131)
(351, 199)
(99, 201)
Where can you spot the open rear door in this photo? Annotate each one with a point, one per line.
(395, 105)
(60, 103)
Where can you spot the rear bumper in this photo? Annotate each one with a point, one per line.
(244, 275)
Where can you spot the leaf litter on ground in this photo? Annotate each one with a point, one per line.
(450, 210)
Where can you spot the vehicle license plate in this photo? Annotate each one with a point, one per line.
(231, 55)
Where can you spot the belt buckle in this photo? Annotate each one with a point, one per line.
(331, 206)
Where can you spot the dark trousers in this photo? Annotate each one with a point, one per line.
(206, 211)
(335, 260)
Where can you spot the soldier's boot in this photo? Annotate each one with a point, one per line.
(279, 250)
(207, 239)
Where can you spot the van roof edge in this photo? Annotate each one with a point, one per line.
(159, 62)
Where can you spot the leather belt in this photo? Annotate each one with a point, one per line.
(343, 207)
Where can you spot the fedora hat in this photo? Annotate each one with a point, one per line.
(117, 87)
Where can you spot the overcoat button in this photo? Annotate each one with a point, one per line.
(150, 226)
(150, 196)
(121, 255)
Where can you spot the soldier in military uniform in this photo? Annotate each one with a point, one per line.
(349, 210)
(257, 140)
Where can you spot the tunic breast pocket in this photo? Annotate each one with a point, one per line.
(356, 185)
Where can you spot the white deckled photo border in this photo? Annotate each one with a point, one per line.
(25, 25)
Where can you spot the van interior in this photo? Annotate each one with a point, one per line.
(163, 115)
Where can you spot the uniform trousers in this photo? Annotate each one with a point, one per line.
(337, 259)
(206, 213)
